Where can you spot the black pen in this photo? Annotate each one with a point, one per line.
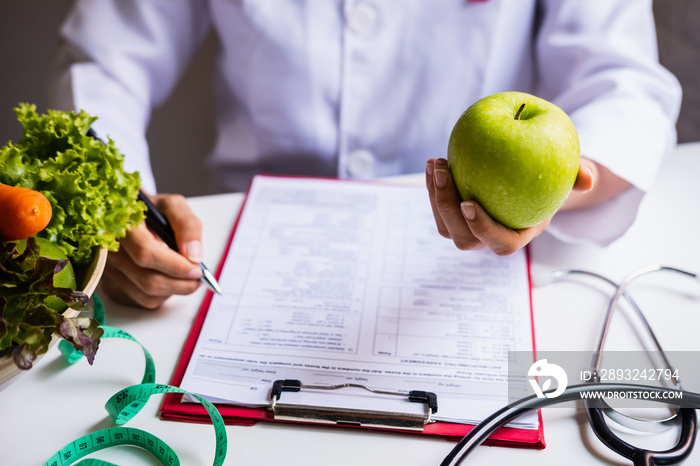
(159, 224)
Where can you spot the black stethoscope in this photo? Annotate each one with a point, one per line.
(597, 409)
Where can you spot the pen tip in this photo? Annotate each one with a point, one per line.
(209, 279)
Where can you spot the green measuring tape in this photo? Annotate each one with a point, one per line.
(123, 406)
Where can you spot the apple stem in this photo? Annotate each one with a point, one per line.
(520, 111)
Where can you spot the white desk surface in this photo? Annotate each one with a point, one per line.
(54, 403)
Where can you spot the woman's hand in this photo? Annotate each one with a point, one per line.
(145, 272)
(468, 224)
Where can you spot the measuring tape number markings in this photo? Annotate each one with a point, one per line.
(123, 406)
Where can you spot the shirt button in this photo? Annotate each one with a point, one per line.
(362, 18)
(360, 164)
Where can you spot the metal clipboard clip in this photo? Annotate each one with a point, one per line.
(351, 416)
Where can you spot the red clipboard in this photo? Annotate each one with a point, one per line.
(174, 408)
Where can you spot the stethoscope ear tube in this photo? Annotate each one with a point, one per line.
(488, 426)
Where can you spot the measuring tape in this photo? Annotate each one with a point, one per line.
(123, 406)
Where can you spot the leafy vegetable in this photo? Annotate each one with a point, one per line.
(94, 200)
(26, 322)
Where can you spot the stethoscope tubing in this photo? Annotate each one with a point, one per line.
(621, 293)
(573, 393)
(687, 399)
(644, 425)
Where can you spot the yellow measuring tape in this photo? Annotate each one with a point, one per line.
(124, 405)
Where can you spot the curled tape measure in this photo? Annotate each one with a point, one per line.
(124, 405)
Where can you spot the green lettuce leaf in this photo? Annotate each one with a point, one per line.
(94, 200)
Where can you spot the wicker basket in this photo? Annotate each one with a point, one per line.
(89, 276)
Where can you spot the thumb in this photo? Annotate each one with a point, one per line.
(587, 175)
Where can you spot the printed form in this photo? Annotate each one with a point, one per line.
(331, 282)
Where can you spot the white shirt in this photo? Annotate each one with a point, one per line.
(370, 88)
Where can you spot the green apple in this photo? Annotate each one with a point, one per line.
(516, 155)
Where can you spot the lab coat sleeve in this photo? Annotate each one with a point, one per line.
(598, 60)
(121, 58)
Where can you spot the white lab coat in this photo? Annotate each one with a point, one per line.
(369, 88)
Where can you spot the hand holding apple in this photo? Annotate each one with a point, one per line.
(516, 155)
(522, 164)
(469, 226)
